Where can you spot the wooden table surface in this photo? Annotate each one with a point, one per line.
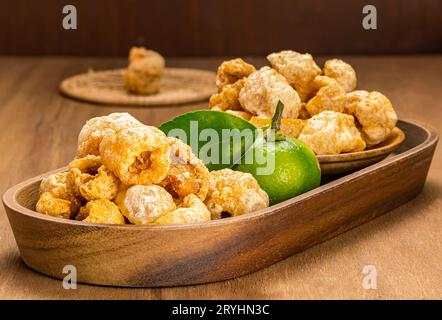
(39, 130)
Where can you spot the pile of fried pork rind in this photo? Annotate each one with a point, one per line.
(322, 107)
(126, 172)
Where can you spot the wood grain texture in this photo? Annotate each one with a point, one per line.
(220, 28)
(146, 256)
(39, 129)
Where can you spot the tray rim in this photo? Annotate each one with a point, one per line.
(10, 196)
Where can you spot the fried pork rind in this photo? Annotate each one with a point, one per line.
(332, 132)
(145, 204)
(242, 114)
(299, 70)
(187, 174)
(89, 179)
(56, 185)
(231, 71)
(143, 76)
(101, 211)
(57, 207)
(353, 98)
(377, 117)
(95, 129)
(234, 193)
(330, 96)
(303, 113)
(289, 127)
(191, 210)
(342, 72)
(138, 155)
(263, 89)
(227, 98)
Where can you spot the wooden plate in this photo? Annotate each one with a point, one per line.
(352, 161)
(179, 85)
(151, 256)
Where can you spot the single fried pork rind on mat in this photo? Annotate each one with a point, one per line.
(342, 72)
(55, 197)
(330, 96)
(299, 70)
(137, 155)
(191, 210)
(144, 204)
(289, 127)
(57, 207)
(234, 193)
(143, 75)
(95, 129)
(227, 98)
(91, 180)
(263, 89)
(101, 211)
(332, 132)
(377, 117)
(187, 174)
(231, 71)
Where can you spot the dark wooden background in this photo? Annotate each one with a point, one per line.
(218, 28)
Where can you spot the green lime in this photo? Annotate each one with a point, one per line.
(290, 168)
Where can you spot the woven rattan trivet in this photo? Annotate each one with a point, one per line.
(179, 85)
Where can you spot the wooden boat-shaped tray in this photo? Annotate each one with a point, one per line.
(152, 256)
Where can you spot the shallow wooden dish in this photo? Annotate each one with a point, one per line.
(151, 256)
(352, 161)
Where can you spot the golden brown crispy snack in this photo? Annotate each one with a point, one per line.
(332, 132)
(95, 129)
(234, 193)
(231, 71)
(342, 72)
(138, 155)
(330, 96)
(377, 117)
(56, 185)
(101, 211)
(353, 98)
(242, 114)
(191, 210)
(57, 207)
(263, 89)
(289, 127)
(227, 98)
(145, 204)
(298, 69)
(187, 174)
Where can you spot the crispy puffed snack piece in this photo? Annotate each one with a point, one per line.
(89, 179)
(330, 96)
(303, 113)
(101, 211)
(377, 117)
(242, 114)
(57, 207)
(191, 210)
(332, 132)
(137, 155)
(95, 129)
(145, 204)
(227, 98)
(139, 53)
(289, 127)
(187, 174)
(353, 98)
(263, 89)
(299, 70)
(231, 71)
(342, 72)
(56, 185)
(234, 193)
